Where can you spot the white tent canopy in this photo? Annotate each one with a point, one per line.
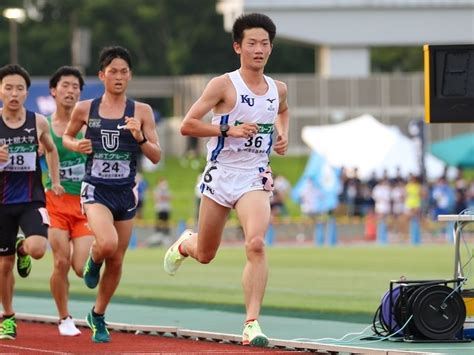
(370, 146)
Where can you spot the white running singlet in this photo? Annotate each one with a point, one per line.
(246, 153)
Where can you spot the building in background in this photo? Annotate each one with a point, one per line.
(345, 30)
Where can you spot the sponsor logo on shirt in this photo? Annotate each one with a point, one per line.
(94, 123)
(263, 128)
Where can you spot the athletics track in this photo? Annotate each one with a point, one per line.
(42, 338)
(159, 329)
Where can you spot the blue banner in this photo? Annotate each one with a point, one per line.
(318, 188)
(39, 99)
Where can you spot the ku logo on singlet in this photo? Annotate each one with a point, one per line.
(110, 140)
(248, 100)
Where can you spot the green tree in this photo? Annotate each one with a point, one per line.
(165, 37)
(397, 59)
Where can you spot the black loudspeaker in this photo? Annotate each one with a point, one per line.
(421, 311)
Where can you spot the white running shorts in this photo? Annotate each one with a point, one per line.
(227, 185)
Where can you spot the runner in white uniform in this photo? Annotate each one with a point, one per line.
(250, 116)
(238, 161)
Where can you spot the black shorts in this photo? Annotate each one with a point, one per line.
(31, 217)
(121, 202)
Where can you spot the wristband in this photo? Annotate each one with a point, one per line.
(143, 141)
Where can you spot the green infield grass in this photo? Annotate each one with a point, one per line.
(182, 174)
(343, 280)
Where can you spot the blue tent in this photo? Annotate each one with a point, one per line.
(456, 151)
(325, 178)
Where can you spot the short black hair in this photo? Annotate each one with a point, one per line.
(65, 71)
(254, 20)
(108, 54)
(15, 69)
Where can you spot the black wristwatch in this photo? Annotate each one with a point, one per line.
(224, 129)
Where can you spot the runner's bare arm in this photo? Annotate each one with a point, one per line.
(282, 121)
(79, 118)
(143, 129)
(51, 153)
(215, 93)
(4, 155)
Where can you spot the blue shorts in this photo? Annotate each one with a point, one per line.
(122, 202)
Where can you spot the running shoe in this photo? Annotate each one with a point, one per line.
(173, 258)
(8, 328)
(91, 273)
(100, 333)
(253, 335)
(67, 327)
(23, 262)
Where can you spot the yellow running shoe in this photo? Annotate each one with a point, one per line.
(173, 258)
(253, 335)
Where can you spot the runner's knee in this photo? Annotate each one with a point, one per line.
(255, 245)
(37, 251)
(205, 257)
(108, 248)
(61, 263)
(6, 266)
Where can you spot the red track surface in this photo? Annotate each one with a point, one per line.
(42, 338)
